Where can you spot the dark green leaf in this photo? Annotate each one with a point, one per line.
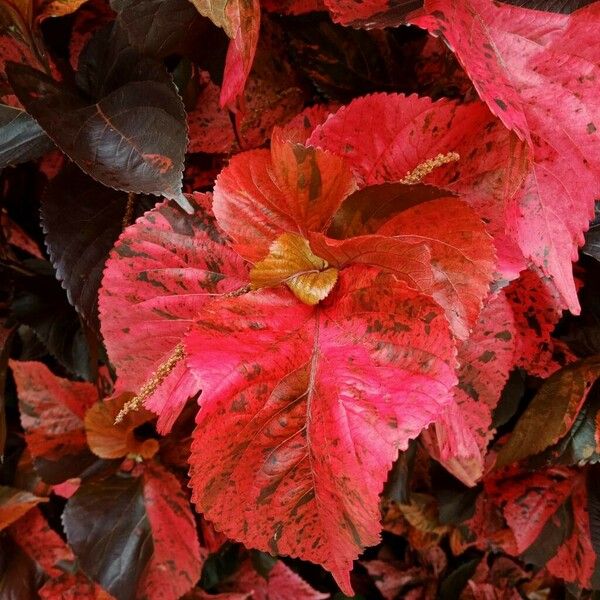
(107, 526)
(41, 304)
(126, 124)
(21, 138)
(454, 584)
(160, 27)
(82, 219)
(592, 237)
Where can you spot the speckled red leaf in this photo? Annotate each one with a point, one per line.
(243, 17)
(280, 584)
(304, 410)
(386, 136)
(537, 311)
(177, 560)
(460, 438)
(41, 543)
(14, 503)
(73, 587)
(575, 560)
(210, 128)
(372, 13)
(52, 410)
(529, 500)
(300, 128)
(462, 255)
(539, 73)
(157, 278)
(292, 188)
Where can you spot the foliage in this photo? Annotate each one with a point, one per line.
(298, 299)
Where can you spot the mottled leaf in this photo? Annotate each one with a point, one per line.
(293, 188)
(14, 504)
(157, 278)
(52, 411)
(177, 559)
(537, 72)
(372, 13)
(293, 400)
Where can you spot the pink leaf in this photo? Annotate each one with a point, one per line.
(538, 72)
(158, 276)
(177, 559)
(304, 410)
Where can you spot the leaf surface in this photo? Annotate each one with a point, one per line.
(157, 278)
(177, 559)
(372, 13)
(293, 400)
(556, 405)
(107, 526)
(52, 411)
(263, 194)
(14, 503)
(538, 75)
(22, 138)
(82, 219)
(462, 255)
(109, 138)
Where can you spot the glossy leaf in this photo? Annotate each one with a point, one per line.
(109, 138)
(107, 526)
(160, 273)
(270, 464)
(22, 138)
(556, 405)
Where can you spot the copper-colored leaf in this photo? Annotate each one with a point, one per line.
(108, 439)
(292, 262)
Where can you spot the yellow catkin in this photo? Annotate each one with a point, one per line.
(415, 176)
(152, 384)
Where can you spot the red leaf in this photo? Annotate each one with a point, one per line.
(372, 13)
(462, 256)
(260, 195)
(244, 20)
(14, 503)
(304, 410)
(386, 136)
(575, 560)
(52, 410)
(177, 560)
(73, 587)
(280, 584)
(210, 128)
(43, 545)
(158, 276)
(530, 500)
(461, 436)
(536, 311)
(538, 72)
